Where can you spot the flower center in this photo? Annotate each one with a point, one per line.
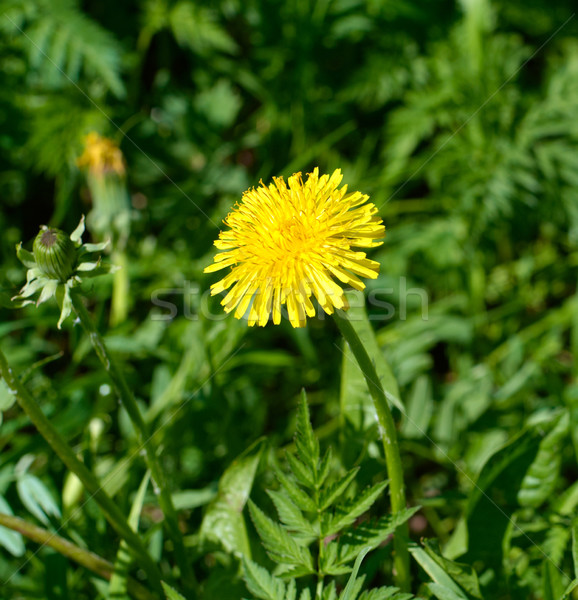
(291, 240)
(48, 238)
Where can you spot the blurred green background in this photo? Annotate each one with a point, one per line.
(459, 119)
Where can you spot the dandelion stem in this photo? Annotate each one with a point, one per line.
(110, 510)
(85, 558)
(144, 440)
(390, 446)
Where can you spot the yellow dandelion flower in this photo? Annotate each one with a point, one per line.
(101, 155)
(287, 243)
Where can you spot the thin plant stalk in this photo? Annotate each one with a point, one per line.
(402, 574)
(89, 560)
(109, 508)
(144, 439)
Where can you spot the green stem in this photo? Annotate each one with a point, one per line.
(390, 446)
(144, 441)
(111, 511)
(85, 558)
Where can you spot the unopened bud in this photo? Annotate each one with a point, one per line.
(55, 253)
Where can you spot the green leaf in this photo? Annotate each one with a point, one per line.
(553, 581)
(25, 257)
(223, 522)
(299, 497)
(290, 515)
(347, 513)
(279, 544)
(7, 398)
(65, 302)
(442, 579)
(117, 588)
(494, 496)
(9, 539)
(420, 407)
(195, 27)
(291, 593)
(354, 584)
(324, 467)
(330, 593)
(575, 546)
(330, 494)
(557, 538)
(305, 440)
(170, 593)
(72, 40)
(76, 235)
(444, 593)
(571, 587)
(303, 473)
(370, 534)
(261, 583)
(464, 575)
(541, 478)
(36, 498)
(385, 593)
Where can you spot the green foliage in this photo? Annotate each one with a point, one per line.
(316, 534)
(171, 593)
(62, 43)
(460, 120)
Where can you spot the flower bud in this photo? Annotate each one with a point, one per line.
(55, 254)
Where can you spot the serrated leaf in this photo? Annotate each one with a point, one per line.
(464, 575)
(291, 516)
(540, 479)
(330, 494)
(170, 593)
(299, 497)
(324, 467)
(329, 561)
(347, 513)
(261, 583)
(385, 593)
(305, 440)
(302, 472)
(557, 538)
(437, 573)
(291, 593)
(305, 594)
(330, 593)
(279, 544)
(370, 534)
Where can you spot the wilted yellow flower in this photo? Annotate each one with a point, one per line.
(287, 243)
(101, 155)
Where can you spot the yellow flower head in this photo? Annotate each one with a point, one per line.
(286, 243)
(101, 155)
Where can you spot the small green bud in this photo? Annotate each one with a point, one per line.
(57, 264)
(55, 254)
